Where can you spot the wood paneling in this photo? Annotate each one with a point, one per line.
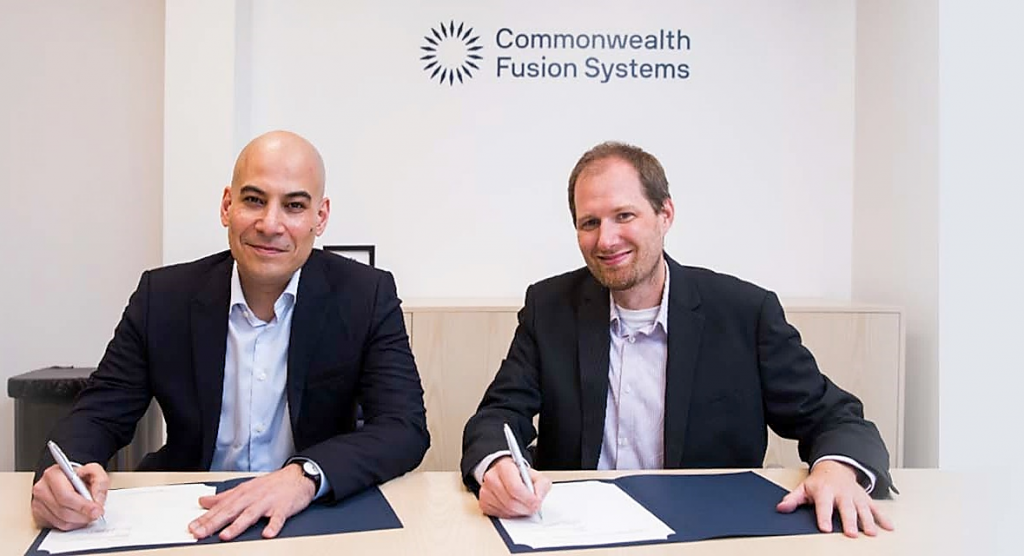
(459, 347)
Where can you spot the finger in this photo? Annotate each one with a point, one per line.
(274, 527)
(515, 486)
(823, 502)
(67, 504)
(493, 491)
(880, 518)
(864, 515)
(541, 484)
(243, 522)
(489, 503)
(793, 500)
(46, 518)
(216, 516)
(498, 490)
(96, 478)
(847, 515)
(508, 505)
(541, 487)
(207, 502)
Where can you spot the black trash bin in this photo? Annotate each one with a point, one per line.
(44, 396)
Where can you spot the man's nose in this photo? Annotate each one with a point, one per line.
(270, 222)
(607, 236)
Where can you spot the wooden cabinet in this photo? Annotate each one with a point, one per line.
(459, 344)
(860, 349)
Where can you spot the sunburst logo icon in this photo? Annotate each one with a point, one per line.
(451, 53)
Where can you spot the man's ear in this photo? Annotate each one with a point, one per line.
(323, 214)
(668, 213)
(225, 205)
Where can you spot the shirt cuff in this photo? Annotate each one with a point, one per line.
(481, 468)
(325, 485)
(862, 471)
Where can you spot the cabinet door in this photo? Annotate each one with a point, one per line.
(861, 353)
(457, 354)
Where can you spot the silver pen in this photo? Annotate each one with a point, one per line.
(65, 465)
(517, 457)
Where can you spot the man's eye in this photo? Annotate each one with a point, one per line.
(252, 200)
(588, 224)
(297, 206)
(625, 216)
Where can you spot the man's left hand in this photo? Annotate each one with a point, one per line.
(278, 496)
(833, 484)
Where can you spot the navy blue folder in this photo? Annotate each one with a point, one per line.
(366, 511)
(701, 507)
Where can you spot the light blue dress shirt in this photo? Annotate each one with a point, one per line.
(255, 432)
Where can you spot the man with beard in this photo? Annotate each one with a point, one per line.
(638, 362)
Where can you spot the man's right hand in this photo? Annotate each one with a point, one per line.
(56, 504)
(503, 493)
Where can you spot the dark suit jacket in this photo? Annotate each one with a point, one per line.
(734, 366)
(348, 345)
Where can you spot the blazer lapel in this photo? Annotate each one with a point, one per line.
(685, 325)
(308, 319)
(209, 324)
(592, 323)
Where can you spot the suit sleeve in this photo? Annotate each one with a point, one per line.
(117, 394)
(803, 404)
(513, 397)
(394, 436)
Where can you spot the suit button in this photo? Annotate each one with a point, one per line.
(632, 339)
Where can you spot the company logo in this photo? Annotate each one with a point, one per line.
(451, 53)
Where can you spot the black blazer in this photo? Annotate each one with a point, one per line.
(734, 366)
(348, 345)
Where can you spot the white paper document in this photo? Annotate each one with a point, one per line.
(586, 513)
(136, 517)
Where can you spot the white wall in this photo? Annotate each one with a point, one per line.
(80, 177)
(760, 145)
(895, 217)
(462, 188)
(981, 229)
(200, 103)
(981, 270)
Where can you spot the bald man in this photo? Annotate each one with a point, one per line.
(257, 356)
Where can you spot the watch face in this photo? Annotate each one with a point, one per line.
(310, 469)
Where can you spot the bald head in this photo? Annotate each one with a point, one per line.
(274, 210)
(281, 151)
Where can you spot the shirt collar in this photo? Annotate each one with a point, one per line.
(238, 296)
(614, 319)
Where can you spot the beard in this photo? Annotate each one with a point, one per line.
(624, 277)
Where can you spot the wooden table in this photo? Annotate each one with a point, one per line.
(441, 517)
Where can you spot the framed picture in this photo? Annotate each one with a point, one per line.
(365, 254)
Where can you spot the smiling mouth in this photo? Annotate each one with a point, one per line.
(265, 249)
(613, 260)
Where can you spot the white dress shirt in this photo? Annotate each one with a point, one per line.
(634, 418)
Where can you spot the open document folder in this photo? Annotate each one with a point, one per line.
(151, 517)
(654, 509)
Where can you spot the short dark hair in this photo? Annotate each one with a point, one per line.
(652, 175)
